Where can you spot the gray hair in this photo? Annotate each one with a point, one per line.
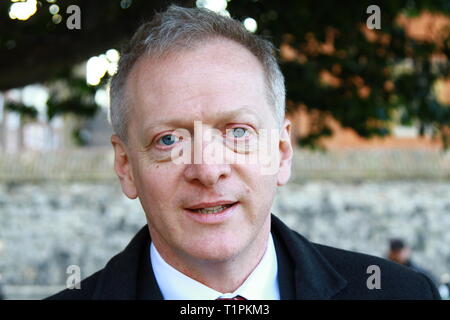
(183, 28)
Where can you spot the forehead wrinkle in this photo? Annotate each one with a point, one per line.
(231, 55)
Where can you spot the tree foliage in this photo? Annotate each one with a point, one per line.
(375, 77)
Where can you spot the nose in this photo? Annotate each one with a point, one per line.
(208, 165)
(206, 174)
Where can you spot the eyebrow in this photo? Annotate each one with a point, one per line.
(182, 122)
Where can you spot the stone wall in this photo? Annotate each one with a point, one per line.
(363, 216)
(47, 225)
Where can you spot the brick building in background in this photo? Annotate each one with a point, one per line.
(347, 139)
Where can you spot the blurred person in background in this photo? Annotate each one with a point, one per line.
(400, 252)
(444, 288)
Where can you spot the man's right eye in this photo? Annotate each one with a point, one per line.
(168, 140)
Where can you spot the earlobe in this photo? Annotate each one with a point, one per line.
(122, 166)
(286, 154)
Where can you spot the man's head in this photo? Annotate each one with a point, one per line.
(399, 251)
(189, 65)
(179, 29)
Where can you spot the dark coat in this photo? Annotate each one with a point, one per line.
(305, 271)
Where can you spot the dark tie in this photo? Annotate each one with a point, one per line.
(234, 298)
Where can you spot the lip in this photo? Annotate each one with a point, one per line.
(210, 204)
(213, 218)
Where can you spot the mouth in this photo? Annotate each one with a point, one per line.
(207, 214)
(212, 210)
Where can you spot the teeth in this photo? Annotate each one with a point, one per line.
(213, 209)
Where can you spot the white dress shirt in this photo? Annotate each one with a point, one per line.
(261, 284)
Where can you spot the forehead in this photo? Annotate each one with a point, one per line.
(197, 83)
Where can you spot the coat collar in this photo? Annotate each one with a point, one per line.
(129, 276)
(313, 275)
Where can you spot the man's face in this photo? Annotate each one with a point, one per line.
(220, 84)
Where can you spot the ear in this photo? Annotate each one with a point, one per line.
(286, 153)
(122, 166)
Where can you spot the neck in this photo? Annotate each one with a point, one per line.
(225, 275)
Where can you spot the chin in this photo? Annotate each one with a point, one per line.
(219, 250)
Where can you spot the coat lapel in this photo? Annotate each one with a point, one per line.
(302, 264)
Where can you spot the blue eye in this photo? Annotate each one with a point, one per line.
(239, 132)
(168, 139)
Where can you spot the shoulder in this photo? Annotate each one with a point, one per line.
(118, 279)
(85, 292)
(324, 272)
(394, 280)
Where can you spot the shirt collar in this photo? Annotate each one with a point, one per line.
(261, 284)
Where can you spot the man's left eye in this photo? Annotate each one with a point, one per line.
(239, 132)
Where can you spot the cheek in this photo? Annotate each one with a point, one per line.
(156, 193)
(267, 191)
(259, 188)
